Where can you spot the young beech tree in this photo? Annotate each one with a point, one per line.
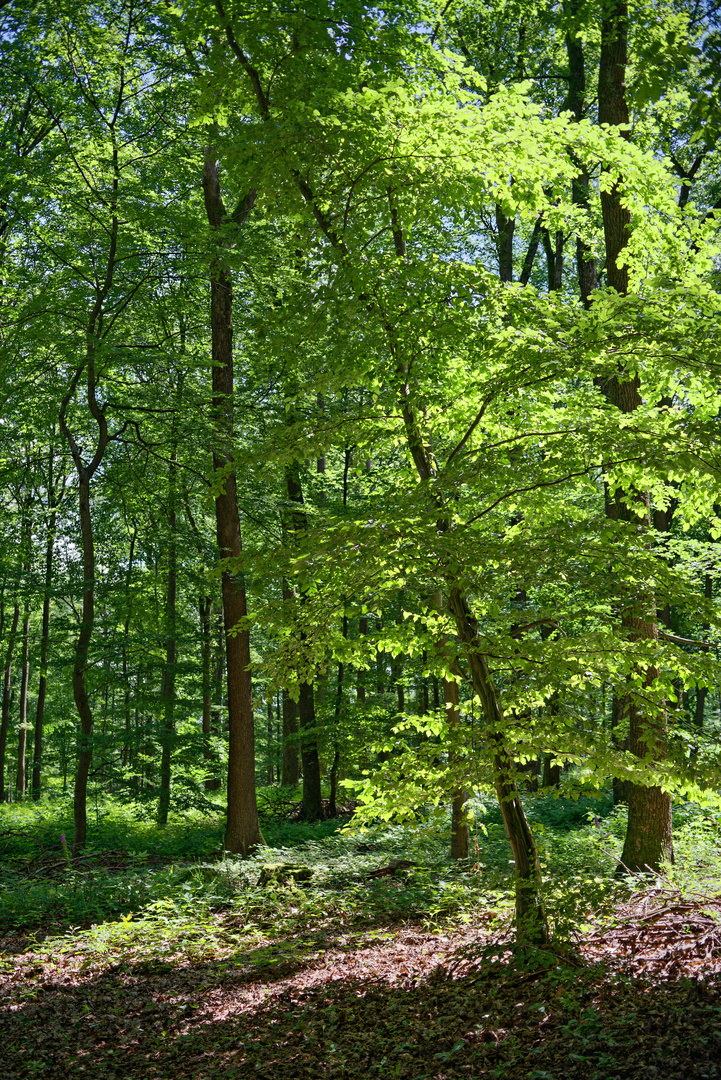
(489, 389)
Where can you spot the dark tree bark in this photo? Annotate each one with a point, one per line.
(312, 803)
(128, 733)
(20, 777)
(168, 728)
(702, 691)
(506, 227)
(242, 834)
(554, 259)
(205, 608)
(45, 631)
(290, 773)
(460, 834)
(7, 684)
(649, 835)
(576, 103)
(360, 675)
(333, 800)
(213, 782)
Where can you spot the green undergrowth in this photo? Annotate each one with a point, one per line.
(165, 892)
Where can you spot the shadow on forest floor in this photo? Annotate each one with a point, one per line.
(641, 998)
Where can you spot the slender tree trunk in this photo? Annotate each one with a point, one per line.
(213, 781)
(702, 691)
(205, 608)
(23, 717)
(44, 633)
(649, 835)
(307, 725)
(128, 734)
(312, 803)
(290, 741)
(7, 684)
(168, 728)
(243, 833)
(531, 921)
(460, 834)
(576, 103)
(333, 800)
(82, 703)
(505, 227)
(360, 684)
(271, 766)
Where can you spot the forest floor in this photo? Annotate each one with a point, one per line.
(405, 973)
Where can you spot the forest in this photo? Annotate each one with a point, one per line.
(360, 525)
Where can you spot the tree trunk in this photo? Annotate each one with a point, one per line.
(460, 834)
(243, 833)
(168, 728)
(80, 695)
(128, 734)
(44, 635)
(360, 674)
(271, 767)
(702, 691)
(290, 773)
(205, 608)
(312, 803)
(333, 800)
(506, 227)
(649, 835)
(576, 103)
(531, 921)
(20, 778)
(7, 682)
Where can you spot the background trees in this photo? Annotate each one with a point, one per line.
(372, 287)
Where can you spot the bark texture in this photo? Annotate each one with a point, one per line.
(649, 835)
(242, 834)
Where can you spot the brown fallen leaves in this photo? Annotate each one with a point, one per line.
(639, 998)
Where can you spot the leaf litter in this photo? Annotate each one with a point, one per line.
(637, 996)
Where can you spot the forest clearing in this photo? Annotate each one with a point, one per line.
(360, 509)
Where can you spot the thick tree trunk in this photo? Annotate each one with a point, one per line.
(7, 683)
(20, 776)
(242, 834)
(649, 835)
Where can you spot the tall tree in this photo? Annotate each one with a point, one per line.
(649, 834)
(242, 834)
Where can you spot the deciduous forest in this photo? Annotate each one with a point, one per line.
(360, 527)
